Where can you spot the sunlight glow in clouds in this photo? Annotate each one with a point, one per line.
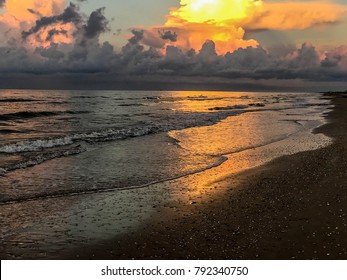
(196, 21)
(294, 15)
(226, 21)
(19, 9)
(21, 17)
(217, 11)
(200, 39)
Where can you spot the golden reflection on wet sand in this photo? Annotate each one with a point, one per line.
(222, 140)
(91, 218)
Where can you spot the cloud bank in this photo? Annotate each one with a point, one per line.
(225, 22)
(57, 40)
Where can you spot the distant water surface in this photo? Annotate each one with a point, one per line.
(58, 143)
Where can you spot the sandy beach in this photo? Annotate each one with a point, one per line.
(173, 130)
(283, 198)
(291, 208)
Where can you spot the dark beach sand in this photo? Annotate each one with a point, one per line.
(292, 208)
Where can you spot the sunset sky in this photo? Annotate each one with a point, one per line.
(187, 44)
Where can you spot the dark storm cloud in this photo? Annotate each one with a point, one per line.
(134, 60)
(143, 61)
(54, 32)
(137, 36)
(70, 14)
(51, 53)
(335, 57)
(168, 35)
(97, 23)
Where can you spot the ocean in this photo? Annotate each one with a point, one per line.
(59, 150)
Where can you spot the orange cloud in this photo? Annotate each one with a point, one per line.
(19, 17)
(225, 22)
(217, 11)
(44, 39)
(194, 35)
(294, 15)
(31, 9)
(196, 21)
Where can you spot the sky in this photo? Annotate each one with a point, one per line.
(174, 44)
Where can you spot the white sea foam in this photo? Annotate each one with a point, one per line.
(177, 122)
(35, 145)
(45, 157)
(37, 151)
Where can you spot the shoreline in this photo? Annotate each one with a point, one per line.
(291, 208)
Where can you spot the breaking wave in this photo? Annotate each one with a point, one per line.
(35, 145)
(40, 158)
(173, 123)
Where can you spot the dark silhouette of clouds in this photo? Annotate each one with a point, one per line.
(137, 36)
(168, 35)
(135, 60)
(54, 32)
(70, 14)
(97, 23)
(142, 61)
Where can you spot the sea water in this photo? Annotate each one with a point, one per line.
(55, 145)
(65, 142)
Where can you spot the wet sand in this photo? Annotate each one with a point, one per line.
(291, 208)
